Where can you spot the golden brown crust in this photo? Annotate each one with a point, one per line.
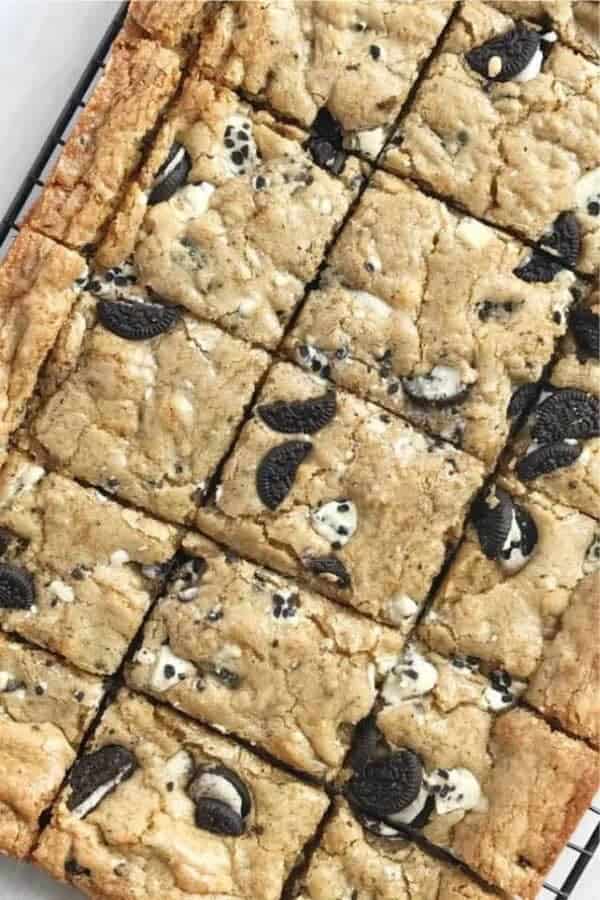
(107, 143)
(37, 291)
(175, 24)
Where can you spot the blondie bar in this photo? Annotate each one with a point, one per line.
(254, 654)
(343, 68)
(176, 24)
(39, 282)
(45, 708)
(107, 143)
(421, 310)
(159, 807)
(324, 484)
(506, 123)
(231, 213)
(78, 572)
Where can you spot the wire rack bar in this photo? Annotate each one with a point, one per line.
(9, 222)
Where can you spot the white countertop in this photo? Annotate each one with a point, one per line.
(44, 47)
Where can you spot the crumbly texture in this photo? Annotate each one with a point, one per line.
(37, 290)
(141, 843)
(45, 708)
(516, 153)
(259, 656)
(410, 495)
(240, 239)
(107, 143)
(575, 367)
(350, 862)
(565, 686)
(356, 59)
(176, 24)
(401, 259)
(506, 618)
(93, 564)
(147, 420)
(575, 21)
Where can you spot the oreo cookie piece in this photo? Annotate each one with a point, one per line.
(585, 326)
(17, 588)
(538, 268)
(567, 413)
(506, 56)
(299, 416)
(221, 784)
(218, 818)
(335, 521)
(96, 775)
(136, 321)
(172, 174)
(186, 576)
(365, 741)
(329, 567)
(564, 239)
(276, 471)
(313, 359)
(547, 459)
(492, 516)
(386, 786)
(440, 387)
(520, 542)
(521, 400)
(326, 142)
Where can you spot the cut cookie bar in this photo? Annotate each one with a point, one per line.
(575, 21)
(176, 24)
(107, 143)
(525, 563)
(506, 123)
(77, 571)
(334, 488)
(422, 311)
(230, 215)
(558, 449)
(39, 281)
(344, 68)
(255, 654)
(159, 807)
(142, 400)
(45, 708)
(500, 790)
(353, 863)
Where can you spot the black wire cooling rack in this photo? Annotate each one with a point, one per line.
(586, 840)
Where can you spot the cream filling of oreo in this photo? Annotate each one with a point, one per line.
(336, 521)
(26, 479)
(516, 559)
(442, 383)
(412, 677)
(532, 69)
(90, 803)
(215, 787)
(455, 789)
(410, 812)
(168, 169)
(496, 699)
(368, 142)
(401, 607)
(235, 161)
(61, 591)
(591, 562)
(191, 201)
(169, 669)
(587, 189)
(310, 357)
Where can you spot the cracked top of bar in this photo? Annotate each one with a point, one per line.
(258, 655)
(344, 493)
(512, 142)
(176, 24)
(79, 571)
(355, 60)
(107, 143)
(230, 215)
(45, 708)
(424, 311)
(141, 834)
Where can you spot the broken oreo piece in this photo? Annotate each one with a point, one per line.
(547, 459)
(325, 143)
(17, 588)
(276, 471)
(564, 239)
(585, 326)
(504, 57)
(299, 416)
(218, 818)
(567, 413)
(171, 176)
(440, 387)
(136, 321)
(520, 542)
(538, 268)
(386, 786)
(330, 568)
(96, 775)
(335, 521)
(222, 784)
(365, 741)
(521, 400)
(492, 517)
